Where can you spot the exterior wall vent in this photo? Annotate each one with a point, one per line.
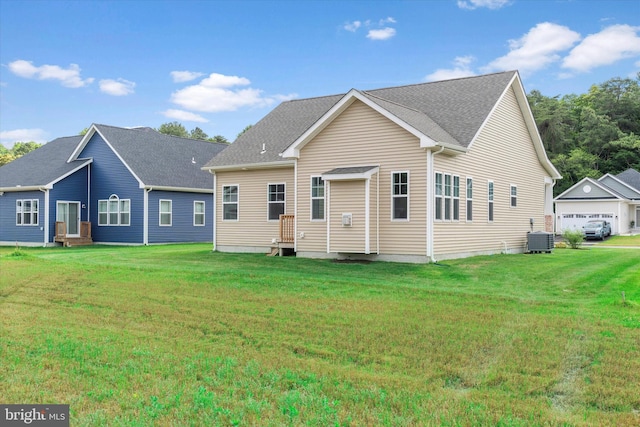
(347, 219)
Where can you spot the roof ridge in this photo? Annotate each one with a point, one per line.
(442, 81)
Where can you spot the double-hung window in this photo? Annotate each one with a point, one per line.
(27, 212)
(166, 213)
(198, 213)
(230, 197)
(276, 201)
(469, 199)
(490, 200)
(438, 195)
(114, 211)
(456, 198)
(514, 196)
(400, 196)
(447, 197)
(317, 198)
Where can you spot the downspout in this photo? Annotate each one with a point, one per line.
(145, 217)
(88, 193)
(367, 220)
(295, 206)
(430, 200)
(46, 216)
(215, 219)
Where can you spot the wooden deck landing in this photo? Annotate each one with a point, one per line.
(84, 238)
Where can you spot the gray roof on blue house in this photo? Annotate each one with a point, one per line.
(163, 160)
(450, 111)
(157, 159)
(41, 166)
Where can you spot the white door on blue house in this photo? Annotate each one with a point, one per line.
(69, 213)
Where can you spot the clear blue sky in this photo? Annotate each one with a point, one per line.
(222, 65)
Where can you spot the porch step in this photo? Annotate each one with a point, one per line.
(274, 251)
(75, 241)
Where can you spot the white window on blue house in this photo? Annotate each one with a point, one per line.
(114, 211)
(276, 201)
(230, 200)
(198, 213)
(27, 212)
(165, 213)
(317, 198)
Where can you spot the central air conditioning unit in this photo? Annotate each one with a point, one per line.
(539, 241)
(347, 219)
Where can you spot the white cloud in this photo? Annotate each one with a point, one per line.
(489, 4)
(68, 77)
(381, 34)
(461, 69)
(388, 20)
(606, 47)
(8, 137)
(218, 93)
(352, 26)
(184, 116)
(536, 49)
(120, 87)
(184, 76)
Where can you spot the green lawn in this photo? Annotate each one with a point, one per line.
(623, 241)
(177, 335)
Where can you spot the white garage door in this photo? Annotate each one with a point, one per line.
(577, 220)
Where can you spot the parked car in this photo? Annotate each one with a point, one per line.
(597, 229)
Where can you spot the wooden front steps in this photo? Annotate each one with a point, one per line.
(83, 239)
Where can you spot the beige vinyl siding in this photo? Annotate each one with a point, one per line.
(343, 195)
(361, 136)
(502, 153)
(252, 229)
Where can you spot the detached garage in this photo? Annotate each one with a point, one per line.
(613, 198)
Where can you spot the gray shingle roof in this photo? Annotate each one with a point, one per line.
(41, 166)
(163, 160)
(157, 159)
(450, 111)
(630, 177)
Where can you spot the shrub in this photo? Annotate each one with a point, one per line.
(574, 238)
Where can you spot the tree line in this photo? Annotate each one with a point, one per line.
(584, 135)
(591, 134)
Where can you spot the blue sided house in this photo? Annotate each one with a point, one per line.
(112, 185)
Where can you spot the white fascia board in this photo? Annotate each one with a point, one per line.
(71, 172)
(27, 188)
(351, 176)
(293, 151)
(618, 181)
(178, 189)
(248, 166)
(83, 142)
(530, 122)
(590, 181)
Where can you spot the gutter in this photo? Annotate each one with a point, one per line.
(46, 216)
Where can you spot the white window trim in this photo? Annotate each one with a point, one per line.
(203, 213)
(160, 213)
(408, 196)
(237, 203)
(454, 198)
(438, 212)
(447, 200)
(269, 202)
(513, 197)
(30, 213)
(323, 198)
(114, 197)
(491, 207)
(468, 199)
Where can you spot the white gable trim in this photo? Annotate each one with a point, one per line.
(530, 122)
(92, 130)
(71, 172)
(581, 182)
(293, 151)
(619, 181)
